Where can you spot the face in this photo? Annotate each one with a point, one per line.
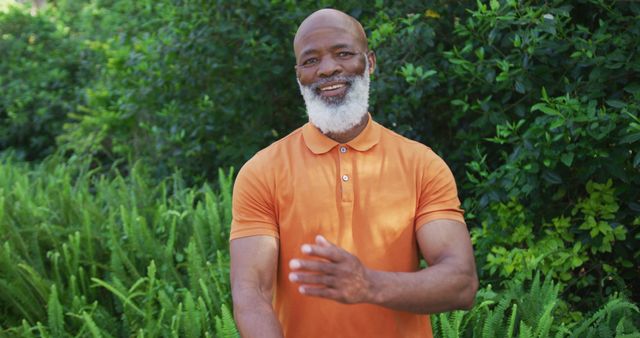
(333, 69)
(326, 56)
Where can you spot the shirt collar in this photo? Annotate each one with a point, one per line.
(319, 143)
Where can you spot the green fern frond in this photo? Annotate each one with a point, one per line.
(43, 331)
(512, 321)
(613, 306)
(546, 319)
(55, 314)
(525, 331)
(91, 325)
(192, 317)
(225, 325)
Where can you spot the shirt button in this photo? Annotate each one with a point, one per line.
(343, 149)
(345, 178)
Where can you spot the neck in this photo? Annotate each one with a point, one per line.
(348, 135)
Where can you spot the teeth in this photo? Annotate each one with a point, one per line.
(333, 87)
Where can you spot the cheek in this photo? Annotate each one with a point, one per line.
(358, 68)
(306, 79)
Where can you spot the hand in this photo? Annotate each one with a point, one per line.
(339, 276)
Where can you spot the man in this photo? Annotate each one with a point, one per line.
(334, 216)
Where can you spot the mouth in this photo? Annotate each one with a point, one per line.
(332, 89)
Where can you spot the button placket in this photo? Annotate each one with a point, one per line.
(346, 172)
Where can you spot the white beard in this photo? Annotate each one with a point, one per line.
(342, 114)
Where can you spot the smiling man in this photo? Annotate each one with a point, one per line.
(329, 223)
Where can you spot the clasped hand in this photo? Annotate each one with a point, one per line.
(338, 275)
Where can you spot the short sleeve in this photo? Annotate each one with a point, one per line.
(253, 203)
(438, 197)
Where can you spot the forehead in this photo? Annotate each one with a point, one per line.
(324, 38)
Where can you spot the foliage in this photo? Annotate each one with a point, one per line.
(533, 104)
(547, 108)
(86, 254)
(535, 312)
(42, 72)
(202, 90)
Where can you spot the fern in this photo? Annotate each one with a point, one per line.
(450, 324)
(91, 325)
(191, 316)
(512, 321)
(614, 313)
(525, 331)
(43, 331)
(544, 323)
(225, 325)
(54, 313)
(493, 326)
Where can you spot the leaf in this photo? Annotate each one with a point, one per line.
(567, 159)
(551, 177)
(429, 73)
(616, 103)
(543, 107)
(630, 138)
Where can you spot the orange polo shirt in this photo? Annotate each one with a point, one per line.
(368, 196)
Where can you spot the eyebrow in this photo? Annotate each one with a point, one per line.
(334, 47)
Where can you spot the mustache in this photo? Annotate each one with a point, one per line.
(336, 78)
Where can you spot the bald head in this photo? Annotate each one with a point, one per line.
(329, 20)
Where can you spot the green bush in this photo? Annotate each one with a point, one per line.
(535, 107)
(42, 73)
(554, 137)
(209, 87)
(95, 255)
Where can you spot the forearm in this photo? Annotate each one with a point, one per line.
(255, 316)
(442, 287)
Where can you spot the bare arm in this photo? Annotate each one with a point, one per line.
(254, 262)
(449, 283)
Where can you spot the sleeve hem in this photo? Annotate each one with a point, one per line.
(254, 230)
(454, 216)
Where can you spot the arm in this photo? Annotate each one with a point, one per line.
(449, 283)
(254, 262)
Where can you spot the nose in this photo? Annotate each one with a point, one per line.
(329, 67)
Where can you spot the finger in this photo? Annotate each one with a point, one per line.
(312, 278)
(332, 253)
(318, 266)
(320, 240)
(322, 292)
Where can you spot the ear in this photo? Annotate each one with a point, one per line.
(371, 55)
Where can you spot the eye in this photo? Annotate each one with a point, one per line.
(309, 61)
(345, 54)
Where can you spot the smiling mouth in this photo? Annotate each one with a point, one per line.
(332, 87)
(333, 90)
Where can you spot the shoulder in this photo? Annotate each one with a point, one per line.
(409, 148)
(272, 157)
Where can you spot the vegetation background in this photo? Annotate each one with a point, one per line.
(121, 121)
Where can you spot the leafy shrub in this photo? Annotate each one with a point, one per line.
(555, 174)
(208, 88)
(41, 77)
(85, 254)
